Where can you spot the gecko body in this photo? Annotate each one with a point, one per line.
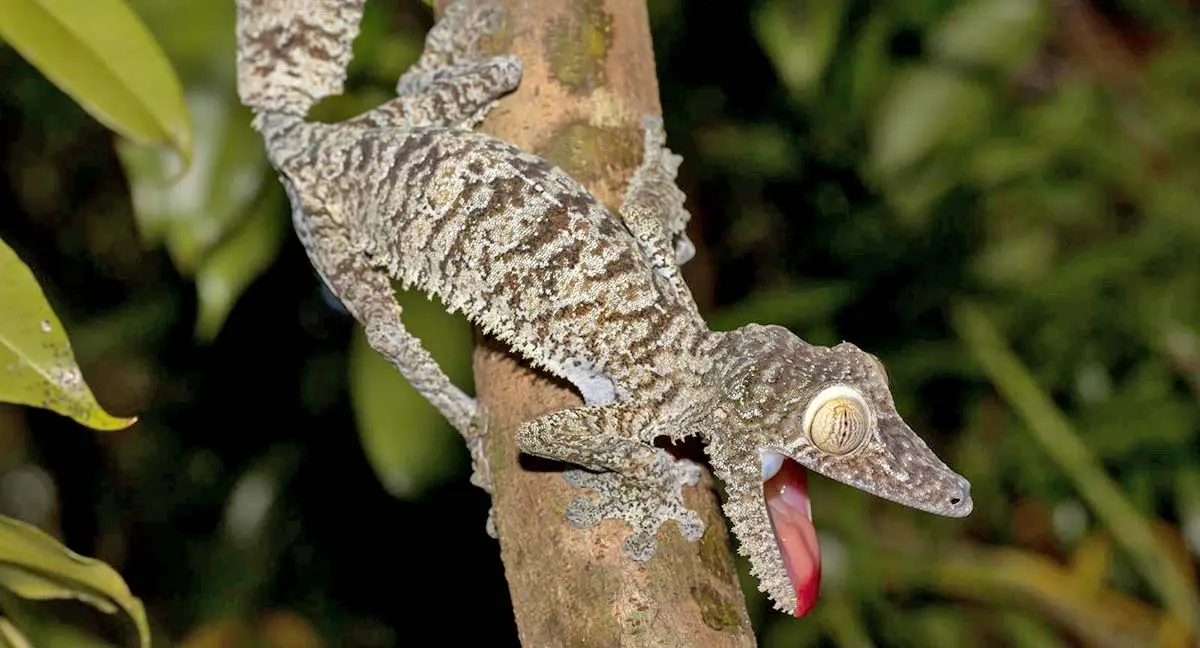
(408, 192)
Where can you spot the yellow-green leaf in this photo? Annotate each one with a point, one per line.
(34, 586)
(101, 54)
(42, 625)
(37, 366)
(34, 565)
(407, 442)
(11, 637)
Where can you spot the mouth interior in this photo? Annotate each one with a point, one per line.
(790, 511)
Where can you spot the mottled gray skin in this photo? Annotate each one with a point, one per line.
(408, 192)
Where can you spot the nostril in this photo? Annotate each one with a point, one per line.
(958, 501)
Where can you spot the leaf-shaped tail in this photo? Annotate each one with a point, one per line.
(293, 53)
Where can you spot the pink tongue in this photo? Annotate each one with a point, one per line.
(791, 516)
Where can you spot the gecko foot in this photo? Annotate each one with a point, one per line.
(462, 27)
(644, 503)
(653, 206)
(455, 40)
(476, 438)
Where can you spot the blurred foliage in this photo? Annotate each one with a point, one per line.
(101, 55)
(997, 197)
(1034, 165)
(34, 566)
(407, 442)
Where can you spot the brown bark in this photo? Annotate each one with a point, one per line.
(588, 78)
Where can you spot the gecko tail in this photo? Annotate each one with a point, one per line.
(293, 53)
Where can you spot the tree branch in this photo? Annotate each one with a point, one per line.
(588, 79)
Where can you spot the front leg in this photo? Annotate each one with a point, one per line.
(634, 482)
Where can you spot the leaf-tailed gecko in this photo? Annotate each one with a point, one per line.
(407, 191)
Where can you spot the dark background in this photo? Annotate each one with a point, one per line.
(855, 170)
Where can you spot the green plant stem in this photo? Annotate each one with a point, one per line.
(1051, 429)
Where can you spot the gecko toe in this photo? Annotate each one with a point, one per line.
(583, 513)
(643, 503)
(686, 472)
(488, 19)
(639, 546)
(690, 525)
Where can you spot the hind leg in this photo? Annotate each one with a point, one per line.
(453, 83)
(453, 41)
(457, 96)
(654, 212)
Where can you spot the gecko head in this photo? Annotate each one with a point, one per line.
(789, 407)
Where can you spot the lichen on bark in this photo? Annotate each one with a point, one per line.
(578, 45)
(586, 151)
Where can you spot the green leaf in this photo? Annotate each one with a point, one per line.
(1146, 401)
(199, 38)
(799, 39)
(996, 34)
(37, 366)
(43, 625)
(11, 637)
(101, 54)
(926, 107)
(407, 442)
(1017, 259)
(34, 586)
(997, 161)
(870, 63)
(49, 632)
(385, 47)
(238, 261)
(192, 213)
(221, 220)
(1027, 631)
(35, 566)
(1187, 504)
(914, 194)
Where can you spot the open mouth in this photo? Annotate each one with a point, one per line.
(785, 485)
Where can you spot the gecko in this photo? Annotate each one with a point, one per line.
(409, 192)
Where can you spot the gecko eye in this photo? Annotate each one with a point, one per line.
(837, 420)
(882, 368)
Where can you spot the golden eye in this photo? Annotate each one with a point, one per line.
(882, 368)
(837, 420)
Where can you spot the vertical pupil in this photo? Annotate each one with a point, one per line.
(844, 420)
(839, 427)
